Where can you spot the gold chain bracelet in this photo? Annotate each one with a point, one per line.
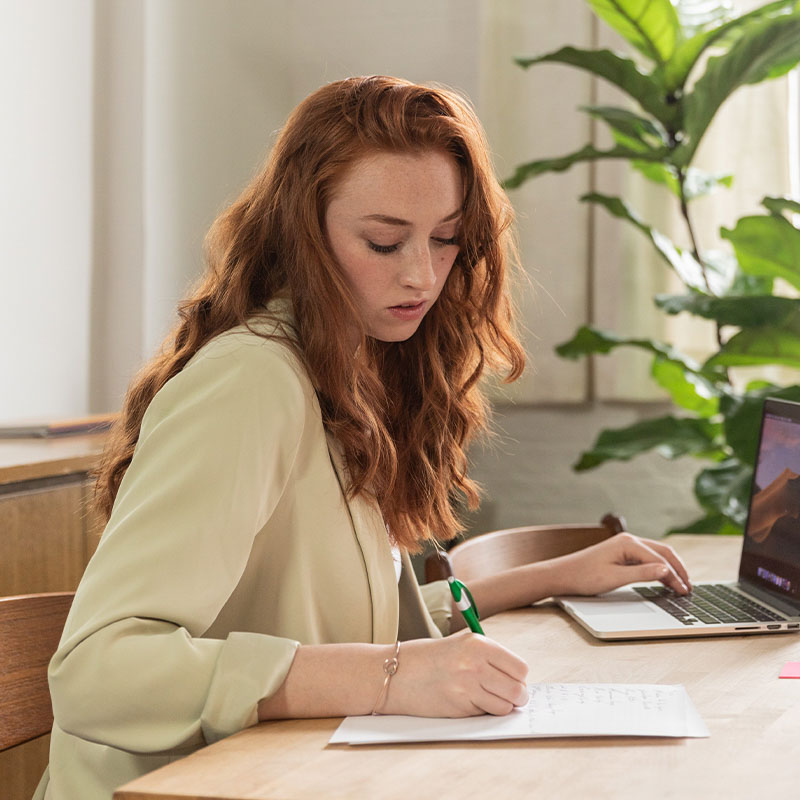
(389, 667)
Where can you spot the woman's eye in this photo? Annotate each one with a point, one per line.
(382, 248)
(446, 242)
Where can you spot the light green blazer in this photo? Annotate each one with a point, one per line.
(230, 543)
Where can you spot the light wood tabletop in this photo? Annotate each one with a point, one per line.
(753, 717)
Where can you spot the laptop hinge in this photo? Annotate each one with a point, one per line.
(780, 603)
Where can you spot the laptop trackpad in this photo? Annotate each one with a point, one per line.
(624, 602)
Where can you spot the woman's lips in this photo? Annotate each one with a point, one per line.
(409, 312)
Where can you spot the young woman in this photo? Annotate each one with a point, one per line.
(301, 432)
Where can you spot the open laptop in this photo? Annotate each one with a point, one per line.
(765, 599)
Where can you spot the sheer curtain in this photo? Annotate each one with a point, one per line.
(532, 114)
(753, 138)
(217, 78)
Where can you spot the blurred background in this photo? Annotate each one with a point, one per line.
(128, 125)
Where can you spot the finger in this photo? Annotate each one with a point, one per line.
(674, 559)
(638, 552)
(672, 581)
(675, 577)
(492, 704)
(500, 685)
(507, 662)
(653, 571)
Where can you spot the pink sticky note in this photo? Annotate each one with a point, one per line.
(791, 669)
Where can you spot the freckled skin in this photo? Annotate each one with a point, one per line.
(392, 224)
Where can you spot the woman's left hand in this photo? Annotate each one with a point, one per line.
(622, 559)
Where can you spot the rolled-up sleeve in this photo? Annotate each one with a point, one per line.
(216, 449)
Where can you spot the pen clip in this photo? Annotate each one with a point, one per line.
(471, 598)
(472, 601)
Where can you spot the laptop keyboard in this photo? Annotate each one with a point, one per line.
(709, 603)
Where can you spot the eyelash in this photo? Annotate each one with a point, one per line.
(382, 248)
(391, 248)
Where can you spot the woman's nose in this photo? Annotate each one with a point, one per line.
(418, 272)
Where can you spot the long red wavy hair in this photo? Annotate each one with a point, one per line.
(403, 412)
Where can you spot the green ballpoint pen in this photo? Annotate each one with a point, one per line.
(465, 604)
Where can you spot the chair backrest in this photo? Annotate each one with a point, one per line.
(493, 552)
(30, 629)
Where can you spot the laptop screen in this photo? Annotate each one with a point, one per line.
(771, 548)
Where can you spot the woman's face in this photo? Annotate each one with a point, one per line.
(392, 224)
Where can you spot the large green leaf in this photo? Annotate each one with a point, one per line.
(760, 346)
(725, 488)
(687, 389)
(592, 341)
(629, 129)
(618, 208)
(777, 205)
(764, 50)
(651, 26)
(711, 523)
(742, 416)
(660, 173)
(725, 277)
(669, 436)
(767, 246)
(683, 262)
(617, 69)
(689, 51)
(743, 312)
(696, 16)
(530, 170)
(745, 284)
(697, 183)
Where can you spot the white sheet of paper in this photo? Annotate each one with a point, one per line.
(553, 709)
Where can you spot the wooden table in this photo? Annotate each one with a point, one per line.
(754, 719)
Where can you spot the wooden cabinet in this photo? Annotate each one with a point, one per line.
(42, 539)
(47, 535)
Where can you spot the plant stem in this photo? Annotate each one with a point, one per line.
(695, 247)
(690, 228)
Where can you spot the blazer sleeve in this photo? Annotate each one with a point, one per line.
(215, 452)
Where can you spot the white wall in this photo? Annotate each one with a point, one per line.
(163, 111)
(46, 198)
(526, 472)
(189, 108)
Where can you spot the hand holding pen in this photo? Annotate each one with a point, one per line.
(459, 675)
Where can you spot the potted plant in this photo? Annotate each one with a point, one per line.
(684, 64)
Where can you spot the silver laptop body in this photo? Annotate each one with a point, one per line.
(766, 597)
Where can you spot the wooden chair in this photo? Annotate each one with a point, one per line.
(30, 629)
(499, 550)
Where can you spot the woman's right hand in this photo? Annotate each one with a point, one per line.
(462, 675)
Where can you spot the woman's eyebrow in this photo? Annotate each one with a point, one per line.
(388, 220)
